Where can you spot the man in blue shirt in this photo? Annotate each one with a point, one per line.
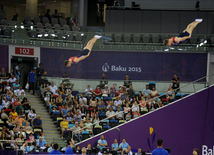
(16, 85)
(37, 123)
(146, 91)
(124, 145)
(69, 149)
(101, 108)
(26, 148)
(159, 150)
(41, 142)
(102, 143)
(65, 111)
(55, 151)
(31, 80)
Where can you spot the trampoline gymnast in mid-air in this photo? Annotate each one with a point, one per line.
(186, 34)
(84, 53)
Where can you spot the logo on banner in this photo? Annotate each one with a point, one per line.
(105, 67)
(207, 151)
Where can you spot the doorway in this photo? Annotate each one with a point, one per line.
(27, 63)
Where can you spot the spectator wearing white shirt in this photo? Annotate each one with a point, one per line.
(12, 79)
(19, 91)
(119, 115)
(83, 101)
(53, 88)
(105, 91)
(110, 113)
(8, 86)
(5, 103)
(117, 102)
(135, 107)
(88, 91)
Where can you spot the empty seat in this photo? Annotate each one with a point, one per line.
(85, 135)
(2, 16)
(104, 122)
(59, 35)
(127, 38)
(146, 38)
(45, 20)
(4, 22)
(66, 27)
(54, 21)
(211, 39)
(63, 22)
(27, 19)
(117, 37)
(102, 116)
(164, 36)
(78, 36)
(97, 130)
(122, 121)
(33, 34)
(155, 38)
(106, 128)
(39, 25)
(143, 111)
(57, 27)
(36, 20)
(69, 36)
(48, 26)
(194, 39)
(178, 96)
(136, 38)
(113, 123)
(75, 28)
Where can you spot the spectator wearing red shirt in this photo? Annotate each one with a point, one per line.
(97, 92)
(121, 90)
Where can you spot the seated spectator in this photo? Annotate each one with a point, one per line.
(61, 89)
(59, 101)
(121, 90)
(146, 91)
(37, 123)
(68, 90)
(119, 115)
(31, 115)
(19, 91)
(21, 98)
(126, 101)
(105, 91)
(94, 112)
(68, 99)
(16, 85)
(65, 75)
(51, 147)
(16, 102)
(46, 95)
(10, 122)
(124, 145)
(16, 128)
(8, 86)
(97, 92)
(87, 117)
(88, 149)
(7, 96)
(4, 117)
(70, 105)
(65, 111)
(110, 113)
(99, 101)
(101, 143)
(19, 120)
(13, 99)
(111, 104)
(41, 142)
(117, 102)
(69, 149)
(88, 91)
(130, 150)
(127, 82)
(153, 92)
(175, 84)
(124, 96)
(93, 102)
(44, 88)
(76, 132)
(64, 125)
(19, 138)
(143, 104)
(53, 88)
(139, 152)
(69, 117)
(135, 107)
(128, 116)
(23, 115)
(101, 108)
(28, 129)
(51, 100)
(113, 90)
(3, 136)
(6, 103)
(131, 92)
(3, 74)
(13, 143)
(55, 151)
(21, 131)
(88, 126)
(14, 113)
(25, 104)
(73, 20)
(103, 81)
(136, 114)
(115, 145)
(76, 101)
(139, 96)
(54, 108)
(77, 117)
(12, 80)
(81, 124)
(83, 102)
(127, 108)
(12, 91)
(169, 92)
(95, 119)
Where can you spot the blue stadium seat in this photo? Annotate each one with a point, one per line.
(71, 125)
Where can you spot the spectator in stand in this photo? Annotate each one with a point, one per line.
(195, 151)
(128, 116)
(117, 102)
(115, 146)
(19, 91)
(110, 113)
(135, 107)
(103, 81)
(124, 96)
(25, 148)
(53, 88)
(51, 147)
(170, 92)
(130, 150)
(65, 111)
(8, 86)
(8, 96)
(88, 149)
(111, 104)
(3, 74)
(21, 131)
(25, 104)
(153, 92)
(131, 91)
(37, 123)
(101, 108)
(88, 91)
(97, 92)
(17, 71)
(127, 82)
(41, 142)
(124, 145)
(121, 90)
(126, 108)
(113, 90)
(105, 91)
(4, 117)
(139, 152)
(83, 102)
(64, 125)
(101, 143)
(19, 120)
(31, 80)
(139, 96)
(14, 113)
(146, 91)
(55, 151)
(93, 102)
(68, 90)
(22, 97)
(12, 79)
(69, 117)
(19, 108)
(16, 85)
(47, 14)
(126, 101)
(39, 73)
(176, 84)
(119, 115)
(76, 131)
(69, 149)
(28, 129)
(73, 20)
(46, 95)
(160, 149)
(77, 117)
(143, 104)
(10, 122)
(61, 89)
(88, 126)
(31, 115)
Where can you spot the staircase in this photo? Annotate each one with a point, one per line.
(49, 129)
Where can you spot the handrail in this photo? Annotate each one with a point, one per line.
(146, 102)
